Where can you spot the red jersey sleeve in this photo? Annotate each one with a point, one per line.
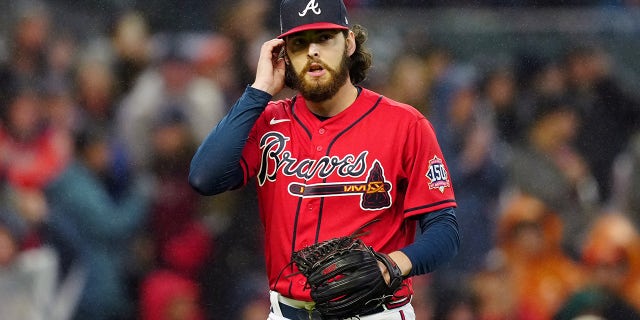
(429, 185)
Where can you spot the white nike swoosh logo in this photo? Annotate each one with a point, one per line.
(276, 121)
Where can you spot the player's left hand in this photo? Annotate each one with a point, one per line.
(346, 278)
(401, 260)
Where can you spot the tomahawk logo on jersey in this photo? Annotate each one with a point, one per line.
(348, 168)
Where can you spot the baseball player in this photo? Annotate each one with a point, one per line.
(331, 159)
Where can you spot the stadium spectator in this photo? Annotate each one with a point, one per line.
(28, 272)
(529, 275)
(172, 84)
(611, 254)
(470, 142)
(168, 296)
(548, 167)
(627, 181)
(602, 104)
(99, 228)
(408, 81)
(131, 43)
(31, 151)
(243, 21)
(499, 93)
(26, 63)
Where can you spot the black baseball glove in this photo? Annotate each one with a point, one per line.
(344, 277)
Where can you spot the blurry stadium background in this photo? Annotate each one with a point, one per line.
(536, 104)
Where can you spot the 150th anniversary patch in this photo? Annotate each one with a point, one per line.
(437, 175)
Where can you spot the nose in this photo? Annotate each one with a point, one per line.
(314, 50)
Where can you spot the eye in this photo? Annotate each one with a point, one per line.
(325, 37)
(296, 43)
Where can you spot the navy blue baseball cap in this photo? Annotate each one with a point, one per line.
(301, 15)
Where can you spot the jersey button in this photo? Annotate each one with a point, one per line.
(322, 131)
(318, 148)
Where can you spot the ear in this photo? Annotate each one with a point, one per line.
(351, 43)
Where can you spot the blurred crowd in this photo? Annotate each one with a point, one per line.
(97, 220)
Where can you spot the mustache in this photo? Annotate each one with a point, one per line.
(311, 61)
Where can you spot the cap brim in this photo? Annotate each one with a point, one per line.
(313, 26)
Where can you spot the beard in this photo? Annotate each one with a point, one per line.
(315, 90)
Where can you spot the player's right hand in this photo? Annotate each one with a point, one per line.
(271, 66)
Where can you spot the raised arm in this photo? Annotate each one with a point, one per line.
(215, 167)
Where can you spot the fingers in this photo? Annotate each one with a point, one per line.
(273, 50)
(385, 272)
(270, 71)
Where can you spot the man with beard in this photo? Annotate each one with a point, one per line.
(330, 160)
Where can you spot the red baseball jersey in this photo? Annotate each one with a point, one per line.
(378, 159)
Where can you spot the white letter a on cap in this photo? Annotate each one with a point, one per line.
(313, 6)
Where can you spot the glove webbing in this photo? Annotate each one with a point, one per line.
(310, 257)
